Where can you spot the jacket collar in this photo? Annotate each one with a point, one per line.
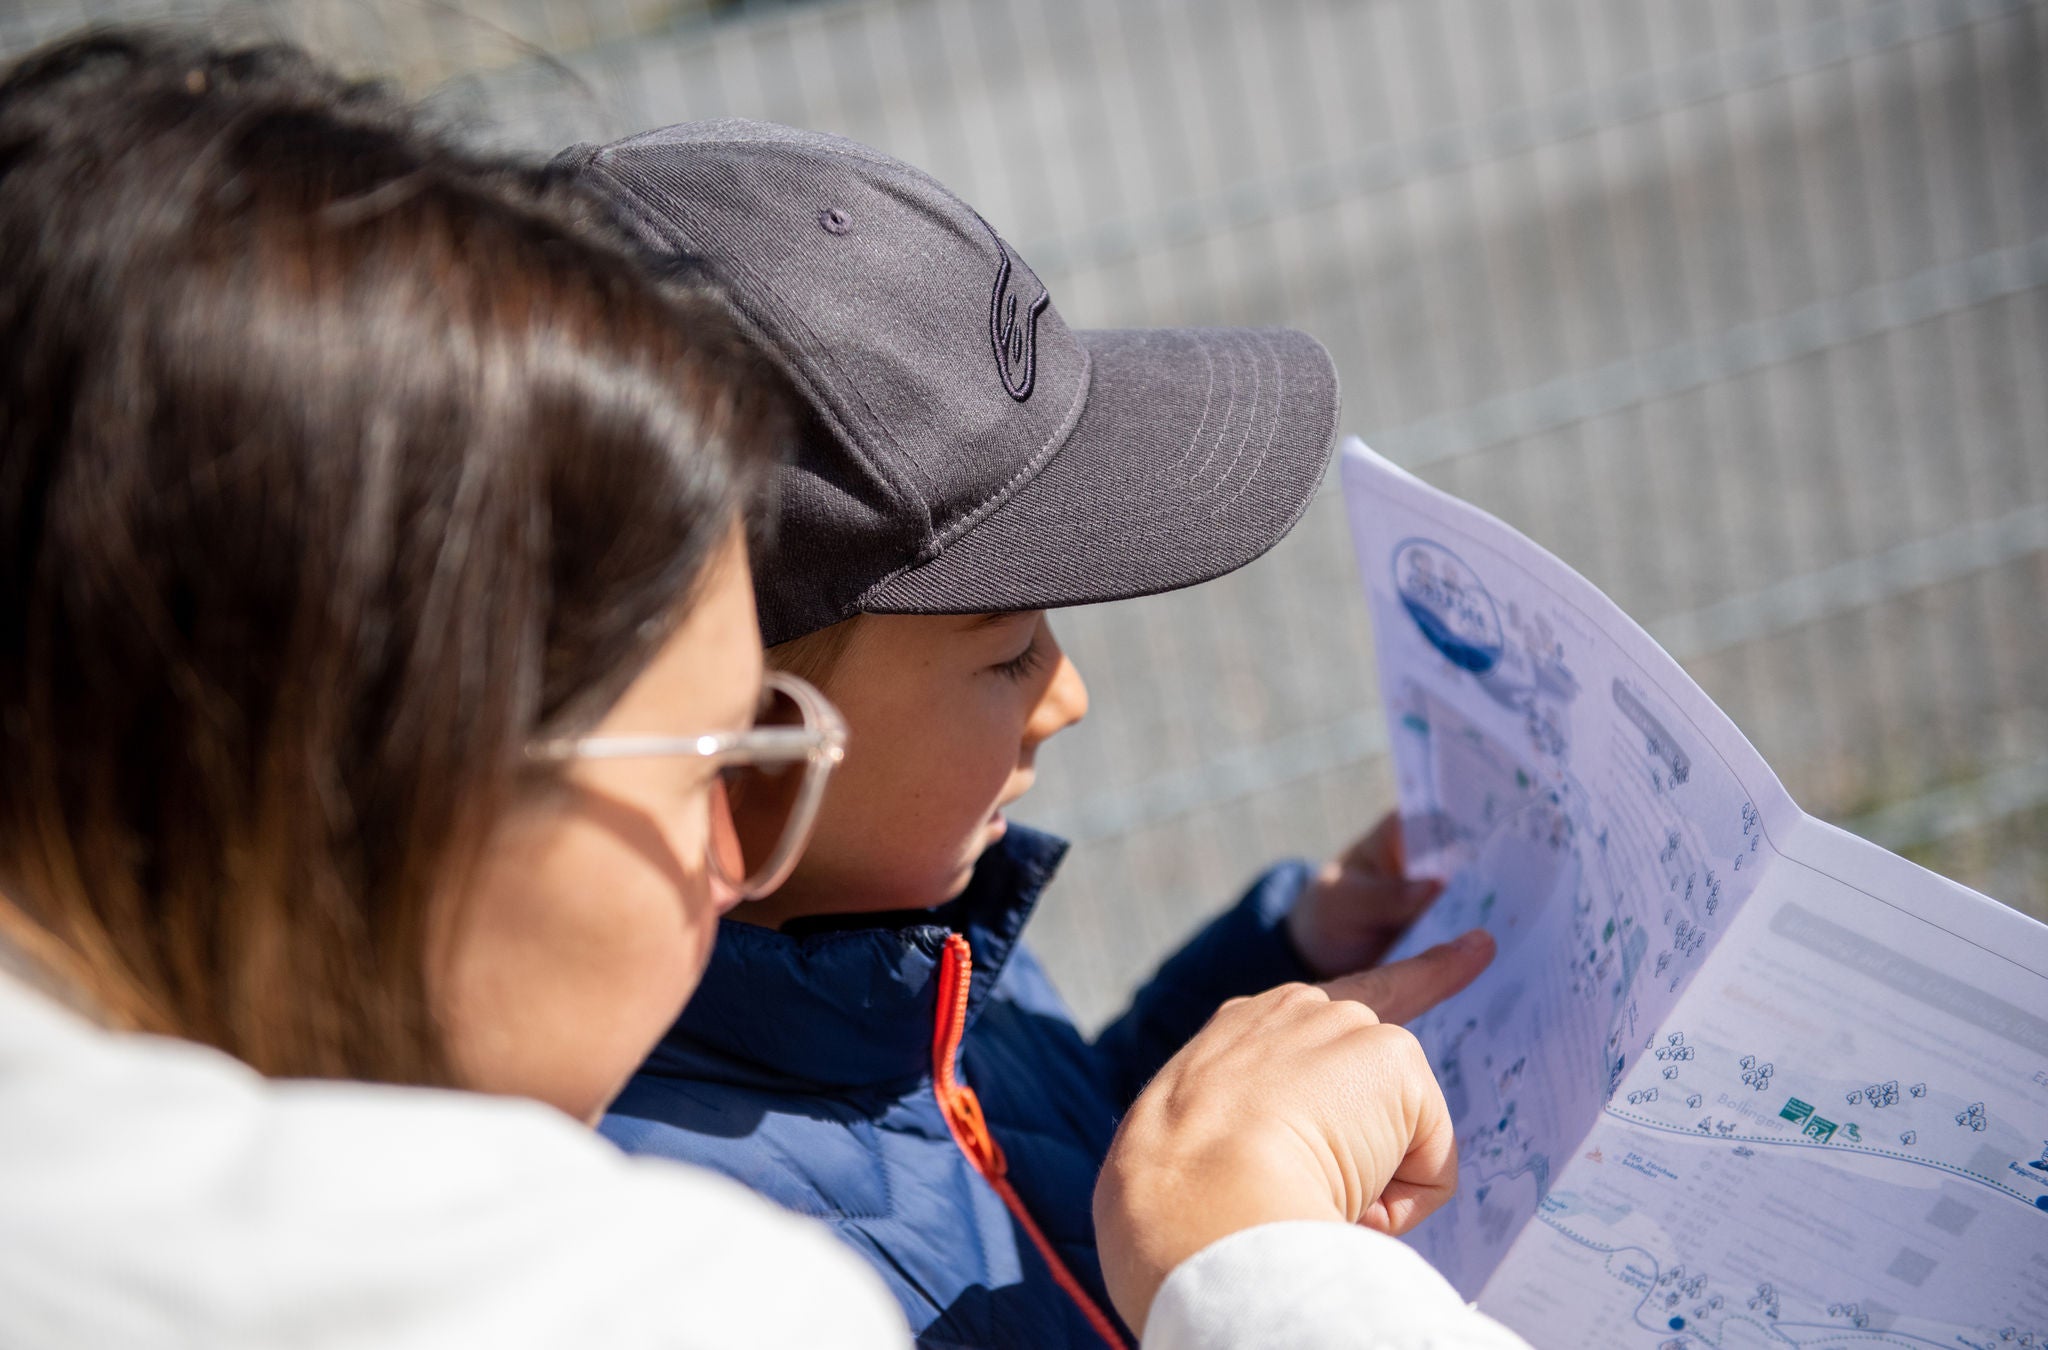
(851, 1004)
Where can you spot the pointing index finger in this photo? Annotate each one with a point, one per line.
(1407, 989)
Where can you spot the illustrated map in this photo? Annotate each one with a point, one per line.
(1737, 1079)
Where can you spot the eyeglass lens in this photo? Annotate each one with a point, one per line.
(764, 799)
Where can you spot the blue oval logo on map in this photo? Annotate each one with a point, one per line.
(1448, 604)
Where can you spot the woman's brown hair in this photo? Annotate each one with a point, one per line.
(336, 464)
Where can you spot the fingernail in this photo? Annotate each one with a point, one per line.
(1470, 940)
(1420, 890)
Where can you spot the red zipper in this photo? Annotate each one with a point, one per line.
(962, 1110)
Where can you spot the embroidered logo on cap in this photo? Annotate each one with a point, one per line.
(1015, 343)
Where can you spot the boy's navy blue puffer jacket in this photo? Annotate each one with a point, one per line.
(839, 1072)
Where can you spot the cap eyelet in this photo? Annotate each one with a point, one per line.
(835, 220)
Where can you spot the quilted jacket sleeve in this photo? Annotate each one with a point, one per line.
(1245, 950)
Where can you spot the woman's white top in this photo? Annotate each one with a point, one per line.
(1315, 1286)
(156, 1193)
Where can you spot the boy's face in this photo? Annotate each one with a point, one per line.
(946, 714)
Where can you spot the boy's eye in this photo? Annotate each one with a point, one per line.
(1024, 664)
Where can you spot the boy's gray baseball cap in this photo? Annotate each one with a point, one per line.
(970, 452)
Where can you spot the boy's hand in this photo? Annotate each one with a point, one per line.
(1301, 1103)
(1359, 904)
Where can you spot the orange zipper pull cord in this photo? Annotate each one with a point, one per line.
(962, 1110)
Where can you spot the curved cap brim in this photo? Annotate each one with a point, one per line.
(1198, 450)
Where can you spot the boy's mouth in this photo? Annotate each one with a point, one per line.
(996, 820)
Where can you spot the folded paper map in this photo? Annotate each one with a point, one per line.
(1737, 1079)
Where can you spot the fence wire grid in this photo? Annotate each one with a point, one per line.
(1740, 306)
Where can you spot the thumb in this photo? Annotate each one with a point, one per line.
(1427, 1176)
(1407, 989)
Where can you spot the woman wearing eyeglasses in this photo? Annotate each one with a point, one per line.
(377, 660)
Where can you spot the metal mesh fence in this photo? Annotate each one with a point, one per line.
(1741, 306)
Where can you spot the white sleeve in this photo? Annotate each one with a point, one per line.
(160, 1194)
(1315, 1286)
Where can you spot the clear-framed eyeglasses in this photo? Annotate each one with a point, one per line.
(771, 778)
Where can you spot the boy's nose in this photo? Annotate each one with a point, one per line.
(1064, 703)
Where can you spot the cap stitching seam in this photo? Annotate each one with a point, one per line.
(1223, 430)
(1272, 425)
(888, 472)
(1039, 459)
(879, 161)
(1045, 452)
(1264, 336)
(1251, 424)
(1208, 402)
